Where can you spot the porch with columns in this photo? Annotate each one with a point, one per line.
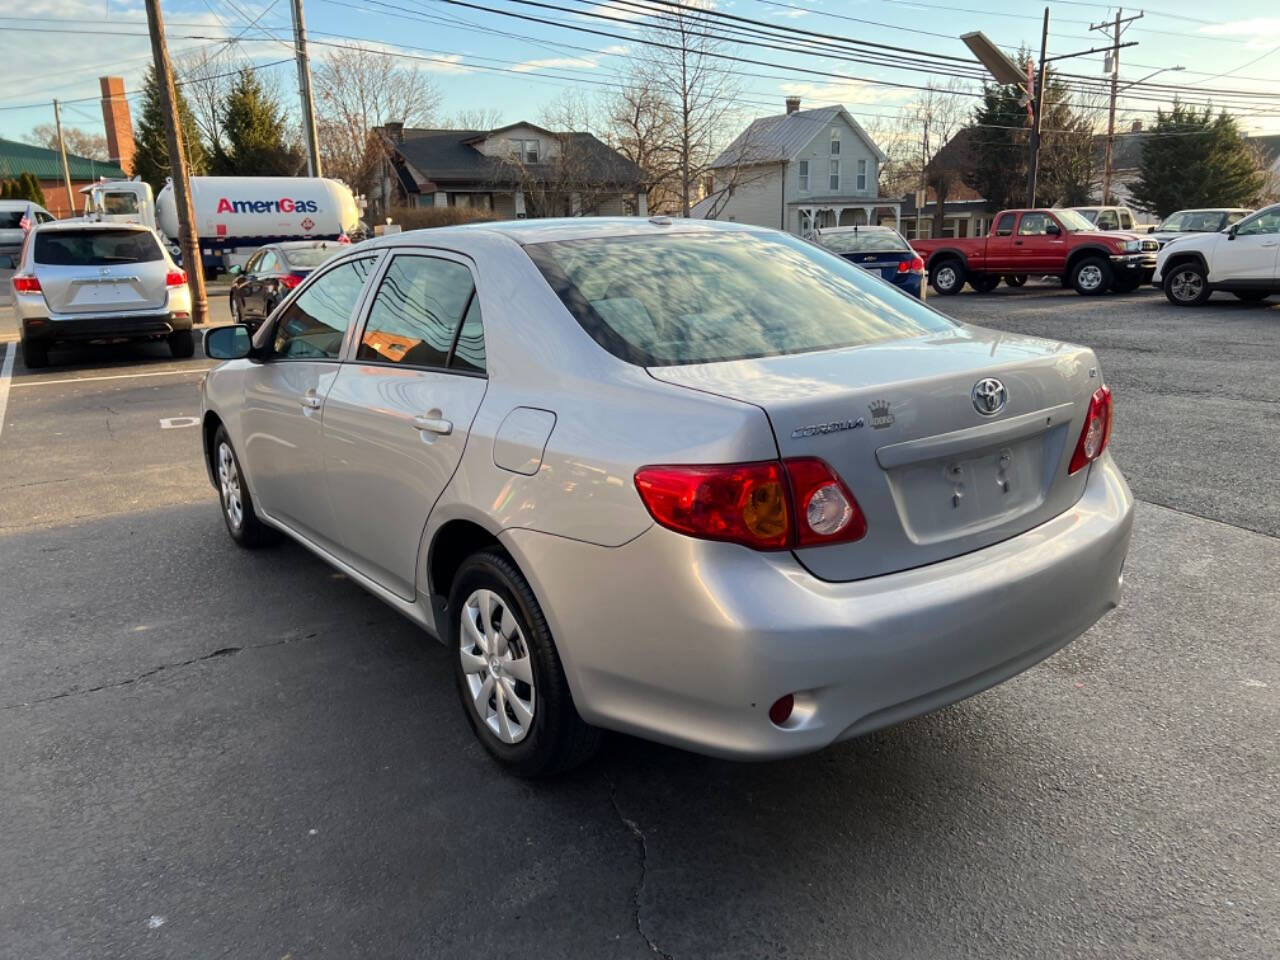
(811, 215)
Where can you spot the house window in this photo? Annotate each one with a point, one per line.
(477, 201)
(526, 151)
(834, 180)
(862, 175)
(804, 176)
(835, 143)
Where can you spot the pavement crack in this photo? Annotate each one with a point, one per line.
(643, 845)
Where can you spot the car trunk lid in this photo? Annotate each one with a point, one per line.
(899, 422)
(89, 271)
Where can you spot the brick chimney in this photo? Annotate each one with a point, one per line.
(793, 104)
(1135, 127)
(115, 115)
(395, 132)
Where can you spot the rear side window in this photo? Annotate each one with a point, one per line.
(307, 257)
(313, 325)
(1004, 226)
(418, 316)
(660, 300)
(1126, 220)
(95, 248)
(11, 219)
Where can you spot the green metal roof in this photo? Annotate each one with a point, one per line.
(17, 158)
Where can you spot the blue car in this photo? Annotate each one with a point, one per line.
(879, 250)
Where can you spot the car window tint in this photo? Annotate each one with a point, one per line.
(1004, 226)
(416, 313)
(468, 354)
(1266, 222)
(312, 326)
(95, 248)
(657, 300)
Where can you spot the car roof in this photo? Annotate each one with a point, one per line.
(12, 204)
(862, 228)
(306, 244)
(81, 224)
(563, 228)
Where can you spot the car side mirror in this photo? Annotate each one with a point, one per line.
(1151, 229)
(1231, 233)
(228, 343)
(1053, 229)
(236, 270)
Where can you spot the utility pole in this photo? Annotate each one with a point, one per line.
(924, 183)
(1116, 29)
(187, 239)
(304, 89)
(1033, 165)
(62, 149)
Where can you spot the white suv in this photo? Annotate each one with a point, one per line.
(1242, 260)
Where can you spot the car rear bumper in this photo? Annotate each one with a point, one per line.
(51, 329)
(689, 642)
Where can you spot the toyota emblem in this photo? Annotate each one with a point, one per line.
(989, 396)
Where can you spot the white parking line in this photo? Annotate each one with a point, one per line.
(117, 376)
(6, 374)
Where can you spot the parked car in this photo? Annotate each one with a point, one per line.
(16, 218)
(1109, 218)
(1040, 242)
(881, 251)
(701, 482)
(78, 280)
(1198, 221)
(270, 273)
(1242, 260)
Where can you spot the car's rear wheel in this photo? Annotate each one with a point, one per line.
(235, 309)
(510, 679)
(984, 283)
(1252, 296)
(948, 277)
(182, 344)
(1091, 276)
(1015, 279)
(1186, 285)
(237, 503)
(35, 354)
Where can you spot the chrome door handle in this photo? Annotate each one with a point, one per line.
(311, 401)
(1268, 243)
(433, 425)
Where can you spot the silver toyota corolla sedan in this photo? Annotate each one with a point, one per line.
(703, 483)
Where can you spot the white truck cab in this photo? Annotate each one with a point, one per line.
(120, 201)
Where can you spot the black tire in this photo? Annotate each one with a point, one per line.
(34, 354)
(1186, 285)
(246, 530)
(1127, 283)
(984, 283)
(947, 277)
(557, 738)
(1091, 276)
(1252, 296)
(234, 308)
(182, 344)
(1015, 279)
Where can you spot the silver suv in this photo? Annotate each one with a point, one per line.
(89, 281)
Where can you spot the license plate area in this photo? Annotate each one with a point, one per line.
(955, 496)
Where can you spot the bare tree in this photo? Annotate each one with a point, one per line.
(914, 140)
(80, 142)
(641, 126)
(205, 77)
(486, 118)
(358, 89)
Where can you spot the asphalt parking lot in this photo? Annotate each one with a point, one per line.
(211, 753)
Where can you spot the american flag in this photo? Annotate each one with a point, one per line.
(25, 223)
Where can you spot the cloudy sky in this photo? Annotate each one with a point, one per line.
(480, 59)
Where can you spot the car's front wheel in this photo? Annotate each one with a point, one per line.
(510, 679)
(948, 277)
(237, 503)
(1091, 276)
(1186, 285)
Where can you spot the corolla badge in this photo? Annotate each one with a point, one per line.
(834, 426)
(989, 396)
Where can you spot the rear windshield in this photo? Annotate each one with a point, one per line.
(95, 248)
(873, 241)
(308, 257)
(703, 297)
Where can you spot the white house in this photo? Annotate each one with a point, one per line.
(798, 170)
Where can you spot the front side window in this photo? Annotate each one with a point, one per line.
(1034, 225)
(95, 248)
(708, 297)
(804, 176)
(1235, 216)
(1004, 226)
(417, 314)
(119, 203)
(314, 323)
(308, 258)
(862, 174)
(1268, 221)
(269, 263)
(835, 175)
(252, 266)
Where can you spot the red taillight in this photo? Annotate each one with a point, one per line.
(770, 505)
(915, 265)
(780, 712)
(1097, 430)
(175, 278)
(291, 280)
(26, 285)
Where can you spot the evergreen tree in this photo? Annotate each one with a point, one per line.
(151, 159)
(253, 128)
(30, 188)
(6, 189)
(1193, 159)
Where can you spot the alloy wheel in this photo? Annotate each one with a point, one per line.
(229, 486)
(496, 664)
(945, 278)
(1186, 285)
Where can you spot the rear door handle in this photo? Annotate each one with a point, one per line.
(433, 425)
(1017, 243)
(311, 401)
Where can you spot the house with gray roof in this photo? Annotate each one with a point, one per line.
(520, 170)
(797, 171)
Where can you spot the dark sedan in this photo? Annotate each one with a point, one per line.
(271, 273)
(878, 250)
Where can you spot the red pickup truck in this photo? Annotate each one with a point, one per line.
(1026, 243)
